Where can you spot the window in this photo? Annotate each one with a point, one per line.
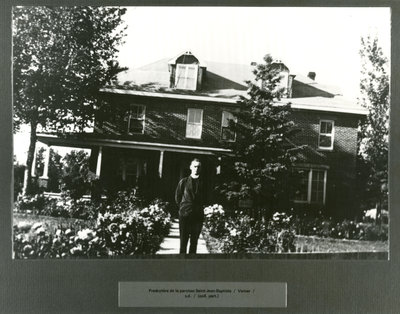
(194, 123)
(226, 133)
(128, 170)
(186, 76)
(311, 186)
(317, 186)
(301, 193)
(326, 131)
(136, 119)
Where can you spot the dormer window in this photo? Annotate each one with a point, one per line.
(186, 76)
(186, 72)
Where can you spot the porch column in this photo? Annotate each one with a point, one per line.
(218, 168)
(46, 163)
(99, 156)
(160, 165)
(33, 168)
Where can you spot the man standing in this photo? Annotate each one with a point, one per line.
(190, 196)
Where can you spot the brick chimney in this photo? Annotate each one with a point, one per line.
(312, 75)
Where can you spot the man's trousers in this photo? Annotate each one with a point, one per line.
(189, 228)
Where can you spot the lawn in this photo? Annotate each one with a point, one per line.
(328, 245)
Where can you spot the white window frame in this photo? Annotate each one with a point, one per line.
(143, 119)
(222, 125)
(332, 135)
(309, 186)
(185, 84)
(200, 124)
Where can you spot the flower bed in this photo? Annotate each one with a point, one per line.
(64, 206)
(347, 229)
(239, 233)
(120, 229)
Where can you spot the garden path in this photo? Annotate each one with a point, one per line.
(170, 244)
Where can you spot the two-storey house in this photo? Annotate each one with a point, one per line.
(160, 116)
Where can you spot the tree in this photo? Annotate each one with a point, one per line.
(55, 168)
(374, 130)
(76, 177)
(263, 153)
(18, 177)
(61, 57)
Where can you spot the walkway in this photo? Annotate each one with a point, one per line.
(170, 244)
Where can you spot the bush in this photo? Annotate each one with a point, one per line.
(240, 233)
(19, 171)
(76, 175)
(215, 221)
(67, 207)
(129, 232)
(347, 229)
(38, 242)
(56, 207)
(30, 204)
(124, 201)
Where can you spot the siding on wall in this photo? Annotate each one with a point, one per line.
(165, 121)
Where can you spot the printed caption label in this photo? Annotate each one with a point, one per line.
(202, 294)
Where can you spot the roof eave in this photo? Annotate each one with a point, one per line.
(169, 95)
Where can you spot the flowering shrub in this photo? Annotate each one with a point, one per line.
(125, 201)
(215, 220)
(64, 206)
(135, 231)
(249, 235)
(36, 241)
(69, 208)
(240, 233)
(30, 204)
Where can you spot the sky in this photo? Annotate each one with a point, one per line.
(322, 40)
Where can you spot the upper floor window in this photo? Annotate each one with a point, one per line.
(136, 119)
(311, 186)
(194, 123)
(326, 134)
(226, 133)
(186, 76)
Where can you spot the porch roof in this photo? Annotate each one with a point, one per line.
(89, 142)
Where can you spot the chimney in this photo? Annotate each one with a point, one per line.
(311, 75)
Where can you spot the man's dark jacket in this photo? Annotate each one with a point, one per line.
(189, 202)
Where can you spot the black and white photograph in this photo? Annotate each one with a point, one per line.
(195, 132)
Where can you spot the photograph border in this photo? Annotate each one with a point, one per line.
(91, 286)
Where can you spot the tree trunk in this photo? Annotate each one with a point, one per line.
(378, 217)
(27, 188)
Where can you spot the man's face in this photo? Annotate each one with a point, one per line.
(195, 168)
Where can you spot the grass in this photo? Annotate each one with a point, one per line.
(329, 245)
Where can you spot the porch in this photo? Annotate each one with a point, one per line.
(153, 168)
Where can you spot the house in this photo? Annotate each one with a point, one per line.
(162, 115)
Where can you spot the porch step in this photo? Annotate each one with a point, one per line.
(170, 244)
